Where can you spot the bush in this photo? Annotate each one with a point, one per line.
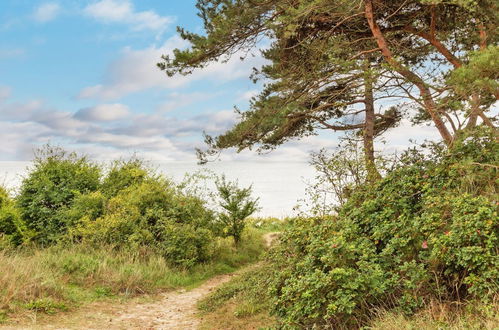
(153, 214)
(85, 207)
(123, 174)
(63, 201)
(427, 231)
(56, 179)
(12, 229)
(185, 245)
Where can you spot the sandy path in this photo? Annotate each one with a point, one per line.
(177, 310)
(171, 310)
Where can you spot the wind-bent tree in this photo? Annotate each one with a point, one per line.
(331, 60)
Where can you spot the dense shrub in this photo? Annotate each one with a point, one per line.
(12, 228)
(64, 199)
(123, 174)
(153, 214)
(429, 230)
(56, 178)
(85, 207)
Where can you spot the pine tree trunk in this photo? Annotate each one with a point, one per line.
(424, 91)
(372, 172)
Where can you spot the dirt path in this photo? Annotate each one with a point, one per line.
(171, 310)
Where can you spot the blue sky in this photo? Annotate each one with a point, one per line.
(82, 74)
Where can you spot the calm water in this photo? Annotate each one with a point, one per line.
(279, 185)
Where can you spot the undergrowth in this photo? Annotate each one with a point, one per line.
(417, 249)
(242, 303)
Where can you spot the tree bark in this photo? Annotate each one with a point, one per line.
(372, 172)
(424, 91)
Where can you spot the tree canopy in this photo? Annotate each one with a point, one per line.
(328, 62)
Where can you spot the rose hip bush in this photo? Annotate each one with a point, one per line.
(428, 230)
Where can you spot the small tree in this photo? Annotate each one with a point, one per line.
(237, 205)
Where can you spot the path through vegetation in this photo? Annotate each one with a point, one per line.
(172, 310)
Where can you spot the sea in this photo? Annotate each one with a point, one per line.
(280, 186)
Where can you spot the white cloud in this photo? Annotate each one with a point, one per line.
(178, 100)
(136, 71)
(46, 12)
(114, 11)
(91, 130)
(103, 112)
(399, 136)
(248, 95)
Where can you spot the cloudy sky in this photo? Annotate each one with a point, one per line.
(82, 75)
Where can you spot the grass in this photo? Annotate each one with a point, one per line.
(64, 277)
(242, 303)
(268, 225)
(438, 315)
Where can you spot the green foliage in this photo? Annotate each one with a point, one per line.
(46, 306)
(12, 229)
(85, 207)
(237, 205)
(427, 231)
(63, 201)
(123, 174)
(56, 178)
(153, 214)
(480, 74)
(251, 287)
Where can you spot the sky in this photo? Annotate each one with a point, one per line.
(83, 75)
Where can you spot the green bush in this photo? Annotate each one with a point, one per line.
(85, 207)
(185, 245)
(55, 180)
(12, 229)
(123, 174)
(429, 230)
(153, 214)
(62, 200)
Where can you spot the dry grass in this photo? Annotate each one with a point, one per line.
(442, 316)
(24, 279)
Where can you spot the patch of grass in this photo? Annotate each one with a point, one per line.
(45, 280)
(3, 317)
(442, 316)
(228, 317)
(268, 224)
(103, 292)
(47, 306)
(242, 303)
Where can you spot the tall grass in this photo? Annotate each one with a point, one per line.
(66, 276)
(439, 315)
